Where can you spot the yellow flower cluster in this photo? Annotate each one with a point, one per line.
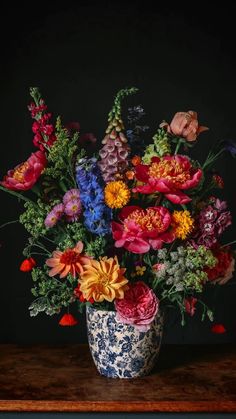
(182, 224)
(117, 194)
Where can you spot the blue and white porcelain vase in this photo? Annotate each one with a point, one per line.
(120, 350)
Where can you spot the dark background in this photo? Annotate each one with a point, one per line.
(80, 55)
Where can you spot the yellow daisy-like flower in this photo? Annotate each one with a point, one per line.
(182, 224)
(117, 194)
(140, 270)
(103, 280)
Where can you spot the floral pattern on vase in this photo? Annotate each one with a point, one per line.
(120, 350)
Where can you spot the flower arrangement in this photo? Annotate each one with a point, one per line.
(127, 227)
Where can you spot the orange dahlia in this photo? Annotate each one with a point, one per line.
(103, 280)
(70, 261)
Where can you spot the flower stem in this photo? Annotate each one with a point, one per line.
(18, 195)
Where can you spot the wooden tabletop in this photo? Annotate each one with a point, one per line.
(63, 378)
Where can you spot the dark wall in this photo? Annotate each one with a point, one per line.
(80, 56)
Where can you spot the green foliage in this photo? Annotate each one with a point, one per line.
(52, 294)
(159, 148)
(61, 158)
(34, 216)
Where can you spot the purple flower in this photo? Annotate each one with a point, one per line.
(223, 222)
(71, 195)
(54, 215)
(73, 208)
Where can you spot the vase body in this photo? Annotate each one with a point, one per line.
(120, 350)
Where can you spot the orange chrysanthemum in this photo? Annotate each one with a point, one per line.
(103, 280)
(70, 261)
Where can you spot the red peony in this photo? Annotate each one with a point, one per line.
(142, 229)
(138, 307)
(26, 174)
(169, 175)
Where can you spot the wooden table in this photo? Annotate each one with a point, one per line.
(62, 378)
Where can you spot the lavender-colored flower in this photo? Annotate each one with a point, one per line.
(54, 215)
(71, 195)
(51, 219)
(73, 208)
(230, 145)
(58, 210)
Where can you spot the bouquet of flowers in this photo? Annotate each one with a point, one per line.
(122, 225)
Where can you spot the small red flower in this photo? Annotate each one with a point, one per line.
(27, 265)
(218, 181)
(218, 329)
(190, 305)
(68, 320)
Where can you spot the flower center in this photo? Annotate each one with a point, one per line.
(69, 257)
(20, 172)
(169, 169)
(148, 220)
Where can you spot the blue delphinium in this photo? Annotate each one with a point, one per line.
(90, 183)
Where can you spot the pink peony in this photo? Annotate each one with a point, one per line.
(26, 174)
(185, 124)
(138, 307)
(169, 175)
(142, 229)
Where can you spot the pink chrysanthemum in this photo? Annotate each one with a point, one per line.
(71, 195)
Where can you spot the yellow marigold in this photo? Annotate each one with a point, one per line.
(182, 223)
(103, 280)
(117, 194)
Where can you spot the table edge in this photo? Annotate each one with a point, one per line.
(117, 406)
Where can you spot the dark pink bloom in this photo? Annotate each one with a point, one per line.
(185, 124)
(142, 229)
(169, 175)
(138, 307)
(26, 174)
(190, 305)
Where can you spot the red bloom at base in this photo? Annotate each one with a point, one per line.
(68, 320)
(27, 265)
(218, 329)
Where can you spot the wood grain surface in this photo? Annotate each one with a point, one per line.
(63, 378)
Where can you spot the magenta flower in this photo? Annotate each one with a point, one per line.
(170, 175)
(142, 229)
(73, 208)
(54, 215)
(71, 195)
(138, 307)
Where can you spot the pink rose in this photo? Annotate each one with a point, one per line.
(190, 303)
(138, 307)
(185, 124)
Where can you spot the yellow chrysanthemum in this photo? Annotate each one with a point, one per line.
(103, 280)
(182, 223)
(117, 194)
